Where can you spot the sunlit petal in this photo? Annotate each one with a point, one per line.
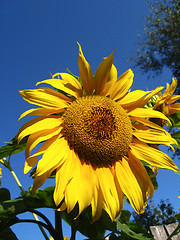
(43, 97)
(85, 73)
(152, 156)
(129, 185)
(102, 73)
(122, 85)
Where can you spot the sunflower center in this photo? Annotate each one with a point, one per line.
(98, 129)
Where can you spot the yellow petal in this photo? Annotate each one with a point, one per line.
(97, 204)
(32, 160)
(72, 83)
(154, 137)
(85, 73)
(148, 123)
(172, 99)
(122, 85)
(55, 155)
(38, 137)
(170, 90)
(142, 101)
(44, 97)
(129, 185)
(38, 124)
(64, 174)
(41, 112)
(152, 156)
(109, 192)
(132, 97)
(174, 108)
(80, 188)
(30, 163)
(141, 175)
(39, 181)
(110, 80)
(57, 83)
(102, 73)
(147, 113)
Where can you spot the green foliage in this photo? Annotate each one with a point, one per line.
(97, 229)
(7, 233)
(175, 120)
(153, 179)
(4, 194)
(44, 199)
(13, 147)
(160, 45)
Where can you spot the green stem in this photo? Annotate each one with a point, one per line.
(51, 230)
(73, 231)
(58, 225)
(24, 194)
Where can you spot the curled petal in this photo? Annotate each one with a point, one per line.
(45, 97)
(142, 101)
(102, 73)
(174, 108)
(85, 73)
(110, 81)
(122, 85)
(152, 156)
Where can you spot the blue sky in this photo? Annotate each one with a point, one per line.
(39, 38)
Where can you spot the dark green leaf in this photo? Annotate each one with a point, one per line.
(84, 224)
(41, 199)
(177, 216)
(154, 181)
(7, 234)
(176, 136)
(13, 147)
(4, 194)
(124, 216)
(175, 120)
(133, 231)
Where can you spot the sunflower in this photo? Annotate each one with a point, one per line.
(95, 135)
(165, 102)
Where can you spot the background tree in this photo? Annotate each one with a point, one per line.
(161, 214)
(160, 46)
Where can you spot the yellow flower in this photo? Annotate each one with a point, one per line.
(95, 141)
(165, 102)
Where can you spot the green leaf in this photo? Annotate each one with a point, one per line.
(176, 136)
(150, 173)
(133, 231)
(13, 147)
(84, 224)
(46, 196)
(41, 199)
(125, 216)
(175, 120)
(7, 234)
(177, 216)
(4, 194)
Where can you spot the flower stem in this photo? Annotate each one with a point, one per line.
(58, 225)
(73, 231)
(24, 194)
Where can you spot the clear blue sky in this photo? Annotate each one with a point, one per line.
(38, 37)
